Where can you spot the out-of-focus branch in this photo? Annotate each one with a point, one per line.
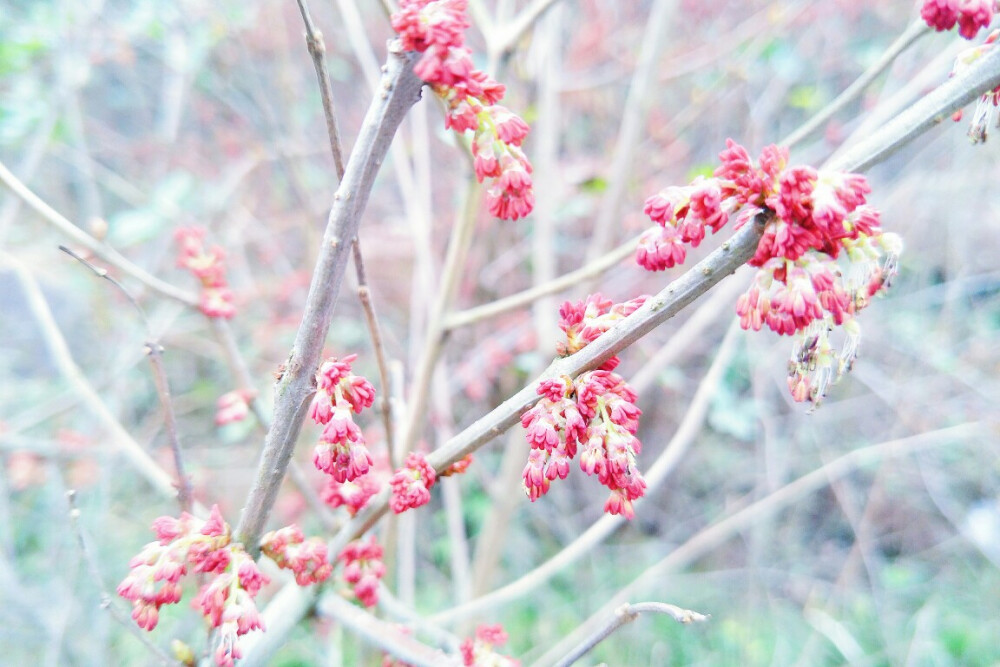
(915, 31)
(624, 615)
(108, 602)
(515, 301)
(400, 89)
(185, 491)
(719, 532)
(384, 635)
(106, 253)
(63, 360)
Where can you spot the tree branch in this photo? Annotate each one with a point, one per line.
(400, 89)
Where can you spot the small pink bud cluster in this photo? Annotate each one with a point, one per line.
(411, 484)
(801, 289)
(970, 15)
(459, 467)
(594, 414)
(363, 569)
(436, 28)
(204, 547)
(233, 406)
(352, 495)
(208, 265)
(480, 651)
(985, 115)
(341, 452)
(584, 321)
(290, 550)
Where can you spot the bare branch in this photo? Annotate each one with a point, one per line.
(185, 491)
(400, 89)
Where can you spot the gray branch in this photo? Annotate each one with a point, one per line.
(399, 90)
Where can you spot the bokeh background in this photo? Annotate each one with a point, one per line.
(136, 118)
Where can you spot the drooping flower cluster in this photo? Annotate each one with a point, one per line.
(817, 218)
(290, 550)
(969, 15)
(985, 115)
(411, 484)
(188, 545)
(363, 569)
(595, 415)
(481, 651)
(233, 406)
(341, 452)
(208, 265)
(436, 28)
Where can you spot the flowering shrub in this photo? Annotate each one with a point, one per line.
(970, 15)
(436, 28)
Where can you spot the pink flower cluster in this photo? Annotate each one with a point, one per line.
(436, 28)
(204, 547)
(341, 452)
(363, 569)
(411, 484)
(594, 414)
(817, 218)
(481, 650)
(970, 15)
(352, 495)
(208, 265)
(290, 550)
(584, 321)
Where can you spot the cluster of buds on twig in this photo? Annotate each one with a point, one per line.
(822, 257)
(208, 265)
(436, 29)
(970, 15)
(188, 545)
(594, 414)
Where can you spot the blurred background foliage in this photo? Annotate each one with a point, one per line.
(134, 118)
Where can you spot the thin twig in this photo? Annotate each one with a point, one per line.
(185, 490)
(516, 29)
(454, 264)
(317, 49)
(915, 31)
(107, 601)
(106, 253)
(514, 301)
(399, 91)
(624, 615)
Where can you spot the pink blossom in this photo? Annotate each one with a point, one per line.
(232, 407)
(290, 550)
(411, 484)
(363, 569)
(940, 14)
